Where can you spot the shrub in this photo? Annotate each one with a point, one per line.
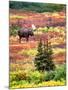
(49, 75)
(21, 76)
(12, 76)
(17, 76)
(43, 30)
(31, 52)
(51, 29)
(31, 78)
(35, 77)
(13, 30)
(60, 72)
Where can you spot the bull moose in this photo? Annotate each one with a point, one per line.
(25, 33)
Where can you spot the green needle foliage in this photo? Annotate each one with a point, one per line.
(49, 60)
(39, 56)
(43, 60)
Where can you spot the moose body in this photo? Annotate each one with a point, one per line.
(25, 33)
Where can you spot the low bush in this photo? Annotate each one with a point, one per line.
(49, 75)
(17, 76)
(12, 76)
(13, 30)
(31, 52)
(45, 29)
(58, 74)
(34, 78)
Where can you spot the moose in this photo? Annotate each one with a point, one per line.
(25, 33)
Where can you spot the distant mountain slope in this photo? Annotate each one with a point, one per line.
(36, 7)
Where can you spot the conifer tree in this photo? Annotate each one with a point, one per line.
(48, 57)
(38, 58)
(43, 59)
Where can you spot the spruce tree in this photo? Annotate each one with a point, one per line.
(48, 57)
(38, 58)
(43, 59)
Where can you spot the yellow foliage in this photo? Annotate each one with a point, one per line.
(58, 50)
(16, 16)
(46, 83)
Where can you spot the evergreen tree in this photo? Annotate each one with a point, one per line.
(38, 58)
(48, 59)
(43, 59)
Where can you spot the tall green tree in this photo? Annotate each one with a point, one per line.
(43, 59)
(49, 57)
(38, 58)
